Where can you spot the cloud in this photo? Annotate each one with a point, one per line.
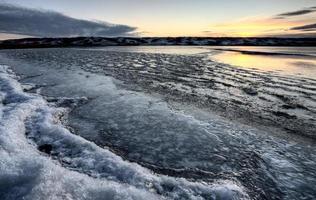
(42, 23)
(308, 27)
(297, 13)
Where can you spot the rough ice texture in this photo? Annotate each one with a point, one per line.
(75, 168)
(250, 96)
(175, 140)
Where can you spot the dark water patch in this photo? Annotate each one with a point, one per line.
(46, 148)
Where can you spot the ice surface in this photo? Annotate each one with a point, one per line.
(164, 136)
(81, 169)
(247, 95)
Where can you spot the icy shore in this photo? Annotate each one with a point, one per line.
(120, 133)
(76, 168)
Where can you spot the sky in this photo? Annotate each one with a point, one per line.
(234, 18)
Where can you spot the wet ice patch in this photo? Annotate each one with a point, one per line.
(76, 168)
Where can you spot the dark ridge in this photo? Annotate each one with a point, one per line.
(152, 41)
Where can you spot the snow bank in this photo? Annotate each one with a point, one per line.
(75, 168)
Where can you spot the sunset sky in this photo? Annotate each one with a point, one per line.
(161, 17)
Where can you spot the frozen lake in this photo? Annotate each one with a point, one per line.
(295, 61)
(156, 122)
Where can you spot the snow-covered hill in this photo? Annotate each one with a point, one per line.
(124, 41)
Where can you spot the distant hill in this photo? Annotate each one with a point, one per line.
(154, 41)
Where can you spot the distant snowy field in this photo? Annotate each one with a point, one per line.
(133, 124)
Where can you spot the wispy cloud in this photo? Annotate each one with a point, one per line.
(308, 27)
(297, 12)
(42, 23)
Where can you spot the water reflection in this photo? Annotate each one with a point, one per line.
(289, 65)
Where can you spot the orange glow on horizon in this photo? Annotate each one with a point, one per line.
(253, 27)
